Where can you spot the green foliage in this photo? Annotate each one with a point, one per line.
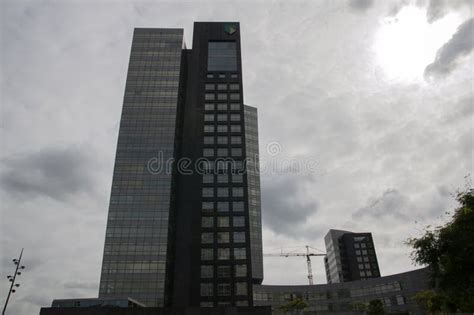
(449, 251)
(429, 300)
(375, 308)
(359, 307)
(294, 306)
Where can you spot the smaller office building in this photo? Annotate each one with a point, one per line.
(350, 256)
(395, 291)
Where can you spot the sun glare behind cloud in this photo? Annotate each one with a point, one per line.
(407, 43)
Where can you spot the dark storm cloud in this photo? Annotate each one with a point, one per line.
(361, 5)
(392, 203)
(459, 45)
(438, 8)
(57, 173)
(284, 209)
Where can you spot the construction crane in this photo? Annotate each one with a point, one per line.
(308, 259)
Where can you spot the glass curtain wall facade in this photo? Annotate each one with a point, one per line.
(350, 256)
(190, 236)
(136, 251)
(253, 188)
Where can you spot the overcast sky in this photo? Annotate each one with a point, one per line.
(377, 95)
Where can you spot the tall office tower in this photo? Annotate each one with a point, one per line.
(350, 256)
(184, 223)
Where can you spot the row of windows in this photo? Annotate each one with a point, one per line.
(221, 106)
(222, 140)
(222, 75)
(368, 273)
(363, 245)
(222, 237)
(222, 128)
(222, 206)
(221, 117)
(210, 192)
(222, 152)
(222, 86)
(223, 289)
(224, 178)
(239, 253)
(223, 192)
(222, 222)
(364, 252)
(222, 96)
(207, 271)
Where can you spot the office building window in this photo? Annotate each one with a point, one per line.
(207, 254)
(222, 128)
(223, 289)
(223, 192)
(207, 271)
(222, 117)
(223, 237)
(234, 106)
(237, 192)
(222, 106)
(237, 178)
(221, 140)
(223, 206)
(241, 288)
(207, 222)
(236, 152)
(222, 152)
(208, 178)
(209, 96)
(207, 238)
(238, 206)
(222, 86)
(222, 221)
(209, 128)
(222, 178)
(240, 270)
(223, 253)
(239, 221)
(234, 86)
(236, 140)
(222, 56)
(210, 86)
(235, 128)
(223, 271)
(240, 253)
(235, 96)
(208, 304)
(234, 117)
(209, 117)
(207, 289)
(208, 140)
(208, 206)
(239, 237)
(209, 106)
(208, 152)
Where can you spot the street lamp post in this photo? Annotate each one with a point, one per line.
(13, 278)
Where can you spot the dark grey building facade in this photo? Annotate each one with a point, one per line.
(184, 223)
(396, 292)
(350, 256)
